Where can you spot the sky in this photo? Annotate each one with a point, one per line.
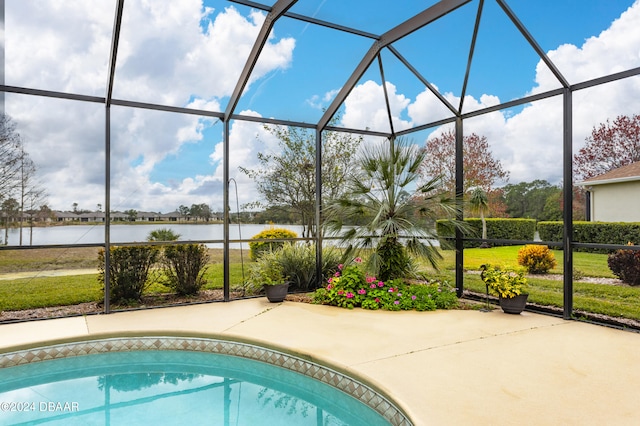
(190, 54)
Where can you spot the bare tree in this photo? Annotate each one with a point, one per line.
(10, 155)
(34, 203)
(27, 184)
(287, 179)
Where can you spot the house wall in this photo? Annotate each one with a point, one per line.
(616, 202)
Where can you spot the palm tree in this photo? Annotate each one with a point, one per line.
(480, 203)
(400, 211)
(163, 234)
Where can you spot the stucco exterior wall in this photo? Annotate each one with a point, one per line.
(616, 202)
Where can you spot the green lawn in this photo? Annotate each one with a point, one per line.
(41, 292)
(48, 291)
(616, 301)
(48, 259)
(589, 264)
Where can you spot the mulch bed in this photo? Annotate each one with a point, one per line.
(151, 301)
(205, 296)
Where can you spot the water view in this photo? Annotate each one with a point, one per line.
(94, 234)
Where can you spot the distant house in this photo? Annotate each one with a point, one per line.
(172, 217)
(65, 216)
(148, 217)
(91, 217)
(615, 195)
(119, 217)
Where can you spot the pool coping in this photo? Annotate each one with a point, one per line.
(440, 367)
(346, 383)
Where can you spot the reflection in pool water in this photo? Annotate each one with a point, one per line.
(172, 387)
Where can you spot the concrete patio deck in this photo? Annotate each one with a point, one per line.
(441, 368)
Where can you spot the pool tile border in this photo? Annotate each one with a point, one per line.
(358, 390)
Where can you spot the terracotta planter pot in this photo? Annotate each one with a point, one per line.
(513, 305)
(276, 293)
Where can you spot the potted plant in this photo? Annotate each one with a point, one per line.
(268, 274)
(509, 285)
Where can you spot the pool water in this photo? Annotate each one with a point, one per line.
(171, 387)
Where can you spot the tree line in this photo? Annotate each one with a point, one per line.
(195, 213)
(286, 180)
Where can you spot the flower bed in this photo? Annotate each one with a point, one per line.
(351, 287)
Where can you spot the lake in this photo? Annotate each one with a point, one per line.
(92, 234)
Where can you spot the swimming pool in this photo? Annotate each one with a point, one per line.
(148, 381)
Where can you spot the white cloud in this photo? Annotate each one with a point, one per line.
(178, 53)
(529, 142)
(365, 107)
(613, 50)
(58, 46)
(427, 108)
(246, 139)
(168, 57)
(320, 102)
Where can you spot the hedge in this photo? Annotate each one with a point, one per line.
(593, 232)
(497, 229)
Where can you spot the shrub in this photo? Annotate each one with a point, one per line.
(184, 266)
(497, 228)
(163, 234)
(266, 271)
(129, 271)
(298, 262)
(257, 248)
(350, 287)
(625, 264)
(536, 258)
(551, 230)
(504, 282)
(592, 232)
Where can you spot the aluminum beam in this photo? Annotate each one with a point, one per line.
(386, 94)
(472, 49)
(318, 208)
(423, 80)
(523, 30)
(407, 27)
(567, 214)
(226, 281)
(52, 94)
(309, 19)
(115, 39)
(276, 12)
(606, 79)
(459, 159)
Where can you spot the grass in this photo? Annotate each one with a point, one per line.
(77, 258)
(589, 264)
(611, 300)
(48, 259)
(616, 301)
(39, 292)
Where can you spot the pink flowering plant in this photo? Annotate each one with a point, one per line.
(351, 287)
